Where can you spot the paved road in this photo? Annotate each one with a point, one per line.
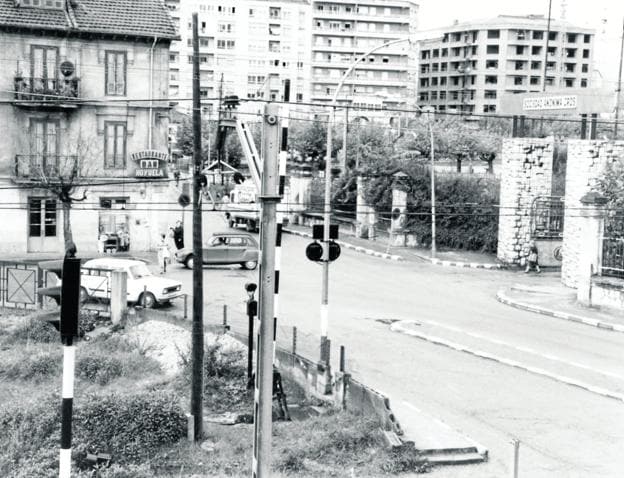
(565, 431)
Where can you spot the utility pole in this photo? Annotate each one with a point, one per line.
(197, 345)
(618, 91)
(345, 130)
(325, 353)
(263, 393)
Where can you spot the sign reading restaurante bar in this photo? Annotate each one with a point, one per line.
(550, 103)
(150, 164)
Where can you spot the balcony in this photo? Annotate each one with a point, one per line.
(48, 167)
(46, 92)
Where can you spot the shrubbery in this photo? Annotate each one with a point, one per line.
(36, 330)
(466, 207)
(99, 368)
(32, 367)
(130, 427)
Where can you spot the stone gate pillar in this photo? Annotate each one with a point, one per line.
(592, 217)
(364, 214)
(398, 232)
(525, 175)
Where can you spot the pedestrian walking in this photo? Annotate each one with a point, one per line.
(164, 254)
(532, 259)
(178, 235)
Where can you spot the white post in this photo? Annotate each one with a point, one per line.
(515, 457)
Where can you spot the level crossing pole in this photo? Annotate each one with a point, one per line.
(197, 335)
(263, 392)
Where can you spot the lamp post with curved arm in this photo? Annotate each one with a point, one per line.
(327, 206)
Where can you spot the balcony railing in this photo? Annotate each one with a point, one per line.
(50, 167)
(46, 90)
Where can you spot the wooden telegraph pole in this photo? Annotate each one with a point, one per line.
(197, 347)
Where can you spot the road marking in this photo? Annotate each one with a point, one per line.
(520, 348)
(398, 327)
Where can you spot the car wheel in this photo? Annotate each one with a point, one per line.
(84, 295)
(189, 262)
(250, 265)
(147, 300)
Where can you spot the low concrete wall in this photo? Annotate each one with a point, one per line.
(607, 292)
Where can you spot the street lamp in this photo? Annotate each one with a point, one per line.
(327, 207)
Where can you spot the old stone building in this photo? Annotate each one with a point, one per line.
(84, 86)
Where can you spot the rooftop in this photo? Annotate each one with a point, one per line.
(138, 18)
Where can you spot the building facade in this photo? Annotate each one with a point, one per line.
(469, 66)
(247, 48)
(344, 30)
(84, 103)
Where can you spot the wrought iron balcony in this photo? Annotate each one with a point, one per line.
(47, 91)
(46, 167)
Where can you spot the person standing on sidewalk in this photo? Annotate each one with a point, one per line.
(532, 259)
(164, 253)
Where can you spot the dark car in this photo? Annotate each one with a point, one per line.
(225, 248)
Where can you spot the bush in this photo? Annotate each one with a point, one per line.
(130, 427)
(99, 369)
(466, 212)
(36, 330)
(32, 367)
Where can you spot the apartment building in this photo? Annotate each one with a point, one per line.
(74, 109)
(344, 30)
(247, 48)
(469, 66)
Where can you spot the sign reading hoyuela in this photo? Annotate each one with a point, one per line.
(150, 164)
(550, 103)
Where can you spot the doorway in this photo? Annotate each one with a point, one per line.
(42, 225)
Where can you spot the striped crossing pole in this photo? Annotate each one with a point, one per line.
(283, 159)
(70, 312)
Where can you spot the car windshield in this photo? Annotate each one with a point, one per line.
(140, 270)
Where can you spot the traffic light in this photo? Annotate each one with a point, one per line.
(314, 251)
(66, 293)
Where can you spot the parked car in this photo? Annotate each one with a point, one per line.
(225, 248)
(143, 287)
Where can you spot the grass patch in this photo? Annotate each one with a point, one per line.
(27, 366)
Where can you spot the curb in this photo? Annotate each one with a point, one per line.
(505, 299)
(370, 252)
(398, 327)
(471, 265)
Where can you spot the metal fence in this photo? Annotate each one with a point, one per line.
(19, 283)
(613, 257)
(547, 213)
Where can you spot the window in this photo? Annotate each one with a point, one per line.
(490, 94)
(519, 65)
(552, 36)
(585, 68)
(569, 82)
(536, 65)
(38, 209)
(538, 35)
(114, 145)
(491, 80)
(586, 38)
(551, 65)
(115, 73)
(489, 108)
(51, 4)
(570, 52)
(251, 12)
(571, 37)
(518, 80)
(492, 49)
(173, 58)
(552, 51)
(226, 28)
(44, 63)
(569, 67)
(299, 97)
(443, 95)
(520, 49)
(535, 80)
(45, 140)
(225, 44)
(536, 50)
(521, 35)
(585, 53)
(583, 83)
(491, 64)
(493, 34)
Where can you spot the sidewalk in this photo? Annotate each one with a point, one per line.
(380, 248)
(552, 298)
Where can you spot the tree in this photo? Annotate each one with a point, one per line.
(64, 177)
(184, 137)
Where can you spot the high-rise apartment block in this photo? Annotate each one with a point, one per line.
(468, 67)
(253, 45)
(344, 30)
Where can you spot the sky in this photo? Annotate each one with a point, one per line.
(605, 16)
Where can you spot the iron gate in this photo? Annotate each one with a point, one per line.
(19, 283)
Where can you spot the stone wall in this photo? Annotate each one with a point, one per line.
(526, 173)
(587, 160)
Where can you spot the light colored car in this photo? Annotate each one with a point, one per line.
(225, 248)
(144, 288)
